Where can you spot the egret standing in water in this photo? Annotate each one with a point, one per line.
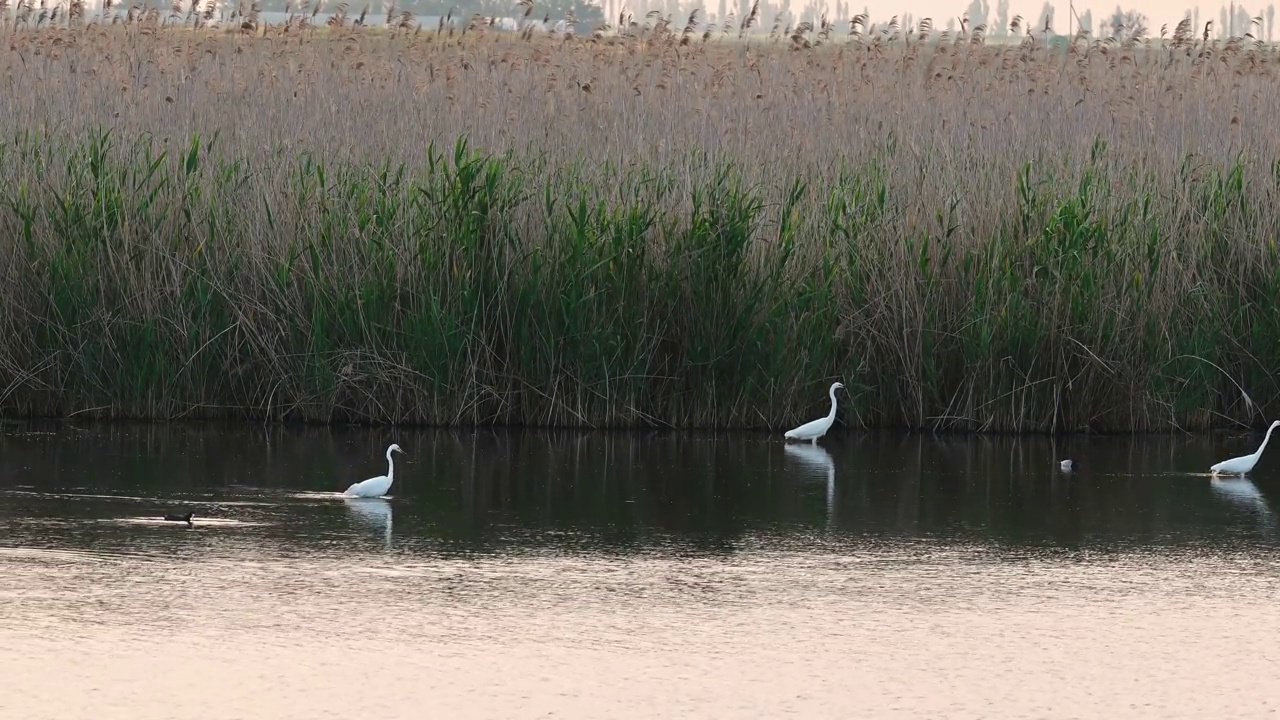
(815, 429)
(376, 487)
(1243, 464)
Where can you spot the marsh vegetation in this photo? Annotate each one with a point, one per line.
(646, 225)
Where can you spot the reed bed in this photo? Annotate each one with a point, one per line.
(652, 226)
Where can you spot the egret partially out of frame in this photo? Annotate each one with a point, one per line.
(815, 429)
(1242, 465)
(376, 487)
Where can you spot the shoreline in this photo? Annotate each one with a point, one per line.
(838, 434)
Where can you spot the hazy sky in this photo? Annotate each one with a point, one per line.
(1157, 11)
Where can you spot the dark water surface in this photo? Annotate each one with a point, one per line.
(604, 575)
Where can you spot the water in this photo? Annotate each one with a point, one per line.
(568, 575)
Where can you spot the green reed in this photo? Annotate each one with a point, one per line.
(469, 287)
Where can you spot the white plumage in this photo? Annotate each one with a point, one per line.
(1243, 464)
(815, 429)
(378, 486)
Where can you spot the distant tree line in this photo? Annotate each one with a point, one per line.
(1259, 24)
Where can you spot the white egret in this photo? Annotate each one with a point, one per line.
(378, 486)
(1067, 465)
(1242, 465)
(815, 429)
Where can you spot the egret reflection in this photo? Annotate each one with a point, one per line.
(821, 465)
(372, 512)
(1241, 493)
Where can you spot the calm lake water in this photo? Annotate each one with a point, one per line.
(596, 575)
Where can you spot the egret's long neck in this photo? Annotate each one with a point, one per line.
(832, 393)
(391, 465)
(1264, 440)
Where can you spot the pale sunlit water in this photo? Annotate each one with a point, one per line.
(563, 575)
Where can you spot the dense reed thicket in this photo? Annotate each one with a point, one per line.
(485, 228)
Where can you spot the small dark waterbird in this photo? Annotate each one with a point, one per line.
(181, 518)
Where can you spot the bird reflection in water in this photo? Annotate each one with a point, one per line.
(820, 464)
(372, 512)
(1241, 493)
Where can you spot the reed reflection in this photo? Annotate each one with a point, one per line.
(622, 491)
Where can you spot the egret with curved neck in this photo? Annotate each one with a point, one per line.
(1242, 465)
(378, 486)
(815, 429)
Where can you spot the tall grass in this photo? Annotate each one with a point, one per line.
(636, 230)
